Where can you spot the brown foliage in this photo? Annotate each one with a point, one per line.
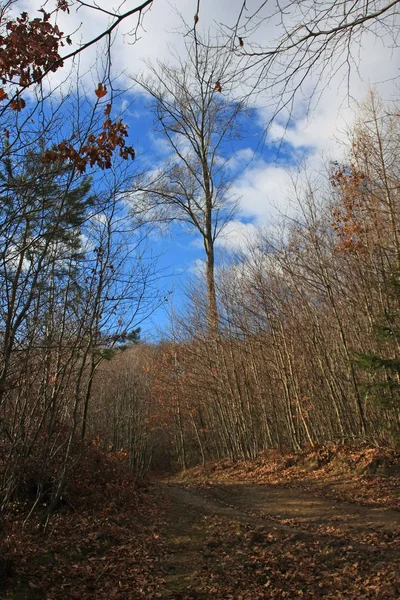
(29, 50)
(98, 149)
(348, 222)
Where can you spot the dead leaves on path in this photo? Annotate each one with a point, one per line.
(245, 563)
(86, 556)
(313, 560)
(367, 476)
(111, 542)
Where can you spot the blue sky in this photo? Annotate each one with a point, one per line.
(263, 183)
(180, 249)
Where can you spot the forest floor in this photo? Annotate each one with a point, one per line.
(273, 528)
(248, 541)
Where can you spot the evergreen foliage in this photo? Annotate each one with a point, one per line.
(384, 365)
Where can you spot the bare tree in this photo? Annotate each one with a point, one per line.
(197, 121)
(75, 280)
(308, 343)
(315, 41)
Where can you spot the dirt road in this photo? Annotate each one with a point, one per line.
(248, 541)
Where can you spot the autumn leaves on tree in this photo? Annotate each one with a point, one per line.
(30, 50)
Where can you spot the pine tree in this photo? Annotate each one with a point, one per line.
(384, 366)
(42, 211)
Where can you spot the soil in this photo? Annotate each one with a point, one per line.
(283, 528)
(248, 541)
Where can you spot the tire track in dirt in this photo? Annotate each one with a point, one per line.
(203, 522)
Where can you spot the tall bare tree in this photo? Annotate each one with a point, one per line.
(308, 344)
(197, 119)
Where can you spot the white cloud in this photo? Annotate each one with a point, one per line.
(263, 187)
(374, 62)
(240, 159)
(331, 113)
(198, 268)
(237, 236)
(263, 190)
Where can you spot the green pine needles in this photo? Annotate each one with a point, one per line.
(383, 365)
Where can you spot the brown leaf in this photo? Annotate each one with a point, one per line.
(18, 104)
(101, 90)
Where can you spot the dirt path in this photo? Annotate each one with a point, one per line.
(253, 541)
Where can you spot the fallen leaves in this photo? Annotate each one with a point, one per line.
(89, 552)
(289, 566)
(342, 555)
(369, 476)
(116, 542)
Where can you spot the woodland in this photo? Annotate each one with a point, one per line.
(279, 372)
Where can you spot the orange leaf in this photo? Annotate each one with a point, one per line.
(101, 91)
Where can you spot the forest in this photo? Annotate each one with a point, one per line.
(277, 375)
